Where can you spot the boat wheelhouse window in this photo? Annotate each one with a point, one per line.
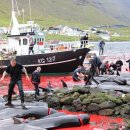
(37, 39)
(43, 39)
(40, 39)
(20, 42)
(25, 41)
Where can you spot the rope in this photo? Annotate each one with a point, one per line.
(125, 61)
(80, 119)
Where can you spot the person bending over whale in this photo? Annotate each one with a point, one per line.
(77, 74)
(119, 64)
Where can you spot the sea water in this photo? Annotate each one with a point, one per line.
(114, 48)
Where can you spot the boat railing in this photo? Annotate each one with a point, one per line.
(57, 47)
(77, 44)
(84, 41)
(64, 46)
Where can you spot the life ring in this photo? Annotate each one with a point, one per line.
(40, 43)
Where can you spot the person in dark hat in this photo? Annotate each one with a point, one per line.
(15, 70)
(84, 40)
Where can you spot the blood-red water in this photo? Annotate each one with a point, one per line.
(97, 122)
(27, 85)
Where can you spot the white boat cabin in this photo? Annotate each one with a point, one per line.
(20, 35)
(21, 43)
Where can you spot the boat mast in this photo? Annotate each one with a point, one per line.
(12, 5)
(15, 27)
(23, 15)
(30, 10)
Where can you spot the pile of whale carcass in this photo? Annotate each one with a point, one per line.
(116, 83)
(37, 117)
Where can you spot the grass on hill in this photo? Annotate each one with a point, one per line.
(52, 13)
(122, 31)
(56, 12)
(93, 37)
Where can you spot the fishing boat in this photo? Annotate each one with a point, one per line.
(51, 60)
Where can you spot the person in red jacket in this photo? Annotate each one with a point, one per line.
(35, 79)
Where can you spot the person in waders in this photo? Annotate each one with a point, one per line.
(35, 79)
(15, 71)
(97, 62)
(91, 73)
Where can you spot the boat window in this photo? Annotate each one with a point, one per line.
(43, 39)
(20, 42)
(25, 41)
(37, 39)
(40, 39)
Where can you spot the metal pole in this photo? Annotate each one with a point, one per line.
(23, 15)
(11, 16)
(30, 10)
(12, 5)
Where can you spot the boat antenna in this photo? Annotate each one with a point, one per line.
(30, 10)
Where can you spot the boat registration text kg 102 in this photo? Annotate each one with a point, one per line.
(47, 60)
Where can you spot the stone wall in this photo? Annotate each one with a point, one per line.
(88, 100)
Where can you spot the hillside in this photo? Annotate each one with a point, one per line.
(72, 12)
